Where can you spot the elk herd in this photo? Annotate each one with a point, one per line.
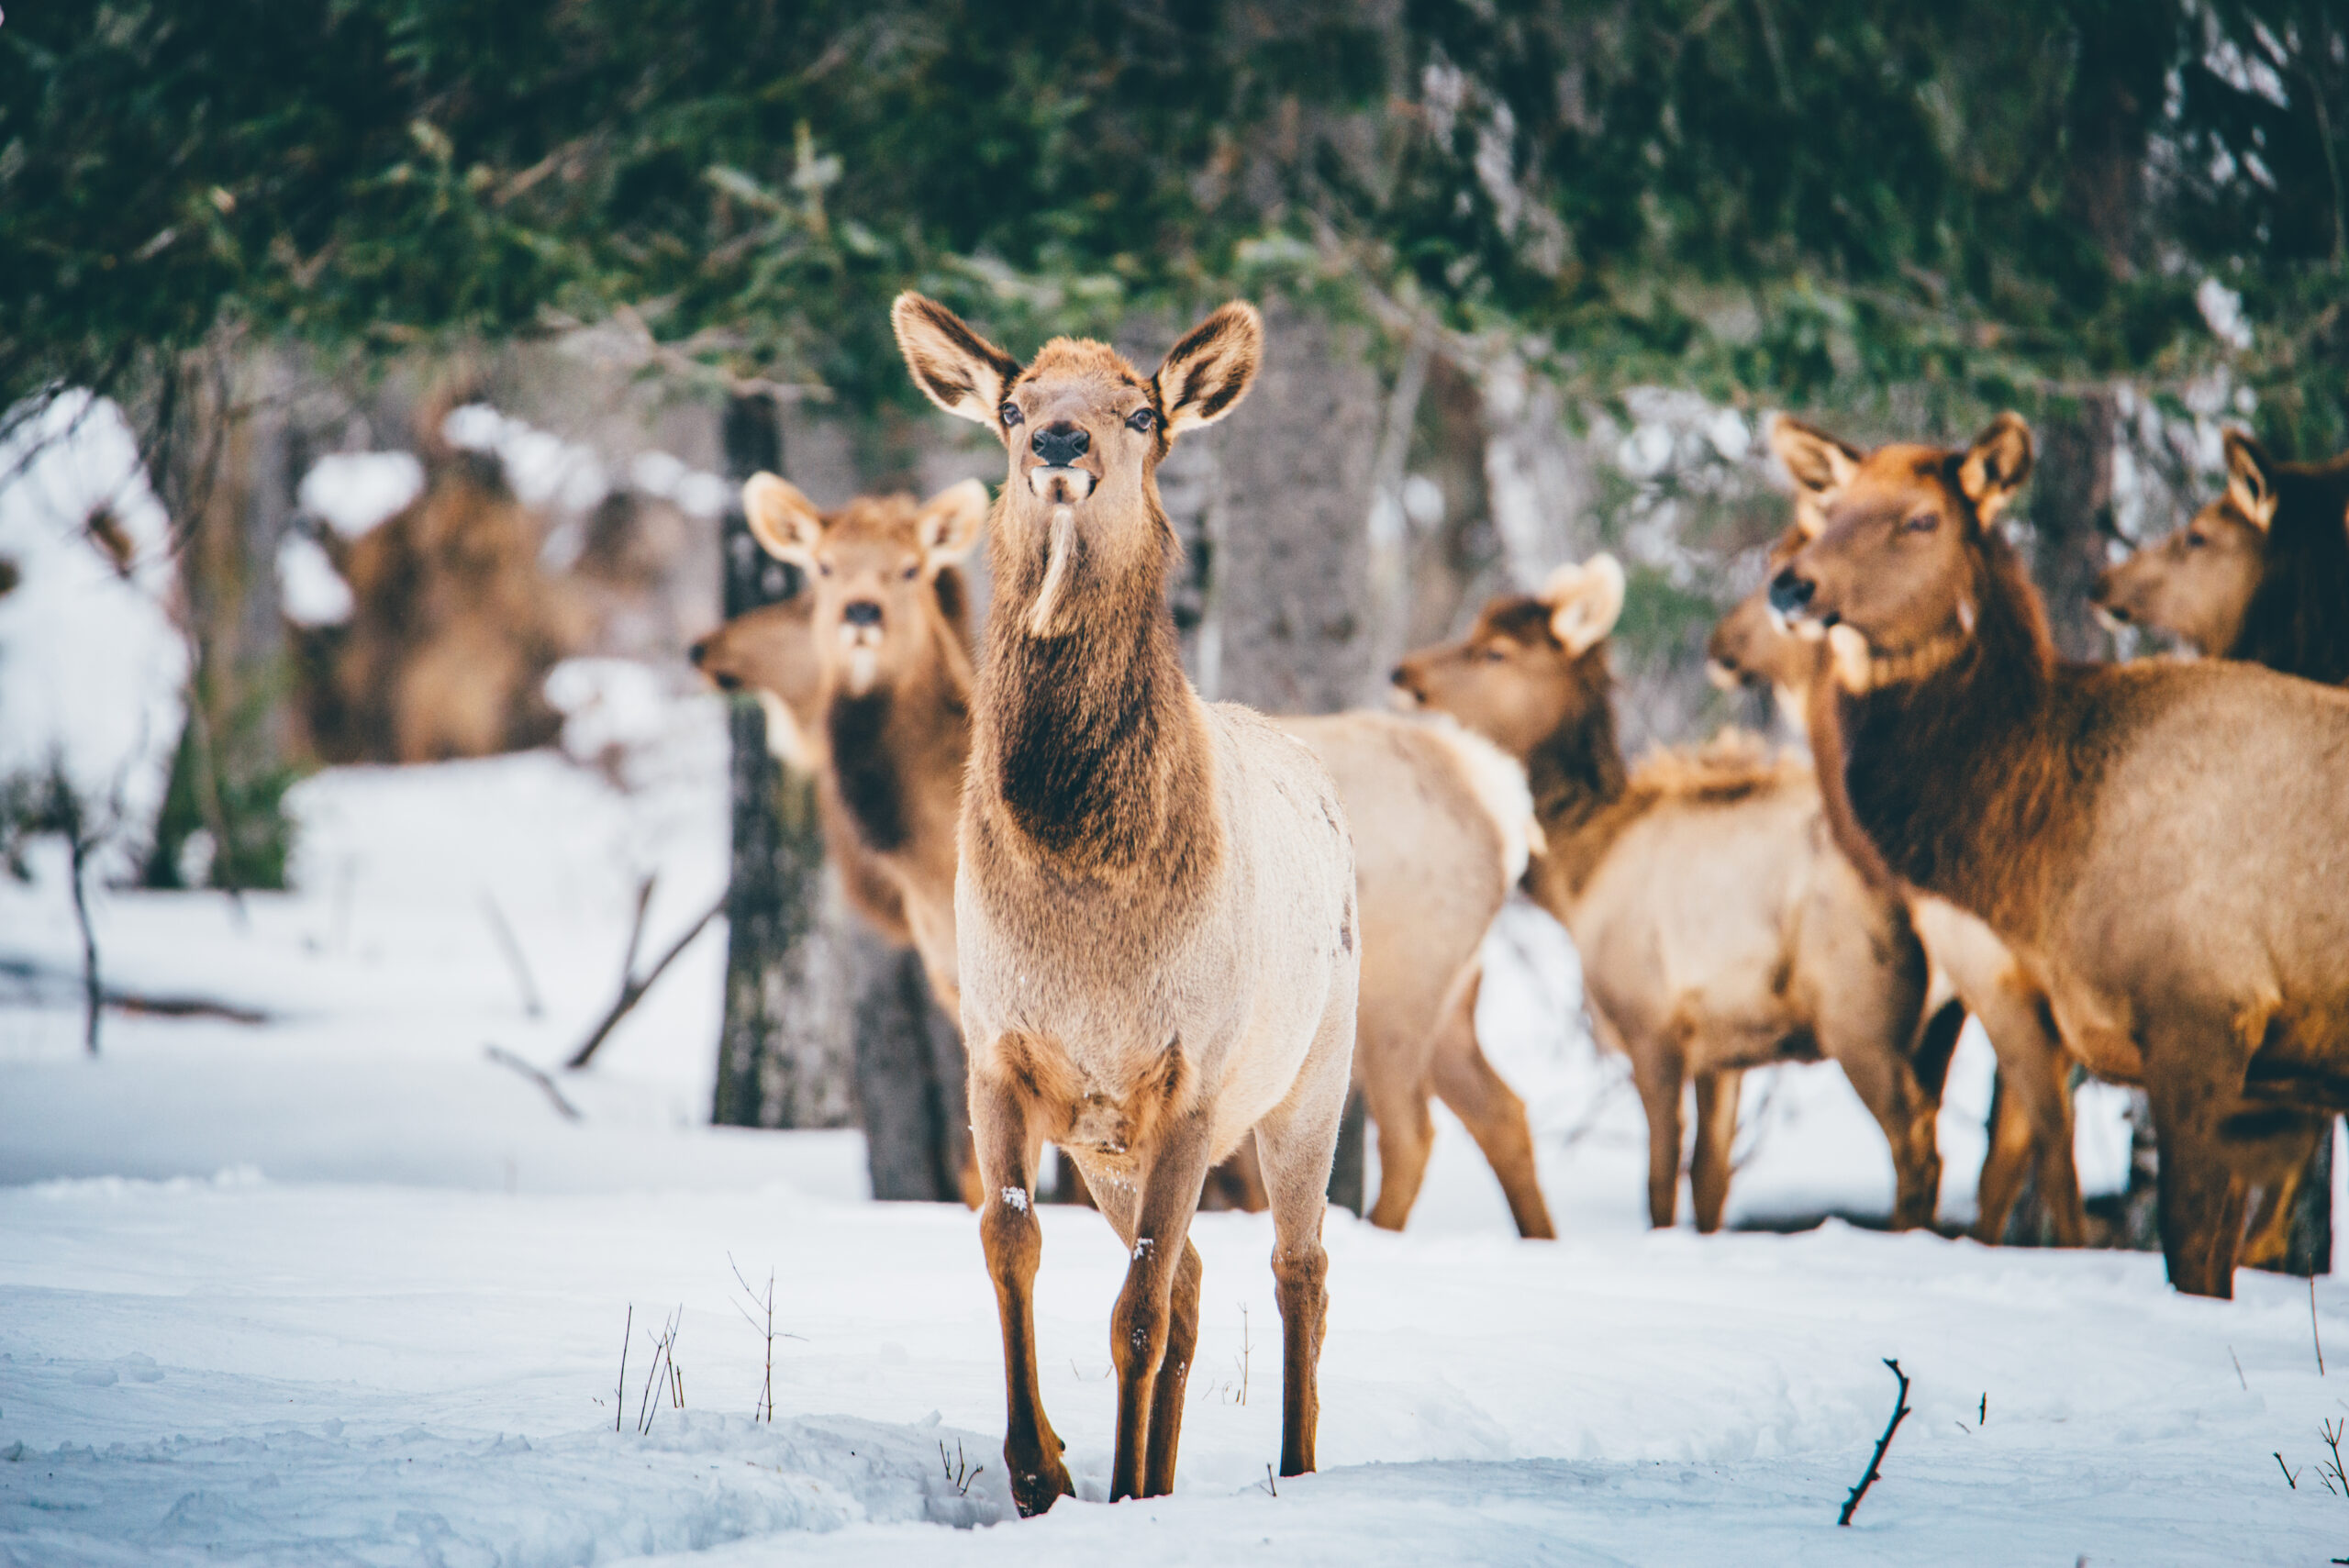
(1177, 933)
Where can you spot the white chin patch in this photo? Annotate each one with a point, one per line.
(1402, 700)
(1041, 616)
(1059, 486)
(863, 663)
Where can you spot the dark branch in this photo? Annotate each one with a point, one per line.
(1876, 1461)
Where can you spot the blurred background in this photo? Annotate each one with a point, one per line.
(379, 376)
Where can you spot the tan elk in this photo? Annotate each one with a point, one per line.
(1154, 901)
(2261, 573)
(1442, 823)
(1719, 927)
(2164, 848)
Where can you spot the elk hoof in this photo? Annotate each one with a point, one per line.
(1035, 1488)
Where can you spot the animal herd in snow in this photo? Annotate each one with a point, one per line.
(1176, 932)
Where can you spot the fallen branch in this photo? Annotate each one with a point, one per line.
(137, 1002)
(1876, 1461)
(632, 988)
(536, 1075)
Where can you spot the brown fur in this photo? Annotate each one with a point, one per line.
(1155, 898)
(452, 631)
(2031, 1131)
(2261, 573)
(1718, 928)
(2158, 845)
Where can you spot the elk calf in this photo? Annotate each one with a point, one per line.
(1719, 927)
(2161, 846)
(1155, 897)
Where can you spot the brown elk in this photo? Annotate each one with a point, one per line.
(2261, 573)
(2032, 1129)
(1155, 896)
(1719, 927)
(452, 630)
(2160, 846)
(1443, 821)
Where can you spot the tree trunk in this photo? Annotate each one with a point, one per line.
(2071, 518)
(785, 1052)
(1291, 616)
(909, 1075)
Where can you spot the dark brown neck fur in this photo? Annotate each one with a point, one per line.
(897, 751)
(2298, 617)
(1579, 781)
(1090, 745)
(1969, 782)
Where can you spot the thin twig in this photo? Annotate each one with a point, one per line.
(2239, 1376)
(619, 1397)
(512, 949)
(1876, 1461)
(633, 990)
(536, 1075)
(2289, 1479)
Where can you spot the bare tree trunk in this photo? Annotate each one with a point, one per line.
(1291, 613)
(909, 1075)
(784, 1053)
(2071, 518)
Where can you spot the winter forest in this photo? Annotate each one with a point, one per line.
(913, 782)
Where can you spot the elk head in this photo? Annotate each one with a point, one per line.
(2198, 583)
(1532, 664)
(1085, 434)
(874, 567)
(1897, 572)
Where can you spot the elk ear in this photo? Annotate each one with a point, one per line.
(948, 523)
(1819, 464)
(955, 368)
(1995, 465)
(1584, 602)
(2251, 479)
(782, 519)
(1208, 374)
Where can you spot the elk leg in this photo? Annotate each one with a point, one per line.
(1493, 1114)
(2201, 1200)
(1901, 1107)
(1656, 1072)
(2014, 1146)
(1142, 1329)
(1295, 1144)
(1173, 1375)
(1014, 1242)
(1717, 1096)
(2033, 1077)
(1406, 1135)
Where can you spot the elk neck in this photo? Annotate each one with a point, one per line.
(1959, 779)
(899, 749)
(1580, 786)
(2298, 620)
(1088, 744)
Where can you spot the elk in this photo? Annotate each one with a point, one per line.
(2261, 573)
(1154, 896)
(2031, 1131)
(1444, 819)
(2161, 847)
(1719, 927)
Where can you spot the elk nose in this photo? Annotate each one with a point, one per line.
(1060, 443)
(1790, 592)
(861, 612)
(698, 651)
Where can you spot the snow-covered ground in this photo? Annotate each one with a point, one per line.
(338, 1288)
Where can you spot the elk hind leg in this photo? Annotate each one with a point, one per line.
(1657, 1071)
(1709, 1170)
(2201, 1200)
(1007, 1150)
(1395, 1087)
(1493, 1114)
(1295, 1144)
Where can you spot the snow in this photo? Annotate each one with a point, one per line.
(91, 662)
(339, 1288)
(355, 491)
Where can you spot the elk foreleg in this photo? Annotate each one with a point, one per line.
(2201, 1199)
(1006, 1150)
(1142, 1328)
(1657, 1071)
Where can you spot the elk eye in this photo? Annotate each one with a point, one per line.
(1492, 655)
(1009, 414)
(2195, 538)
(1141, 419)
(823, 569)
(1922, 523)
(911, 571)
